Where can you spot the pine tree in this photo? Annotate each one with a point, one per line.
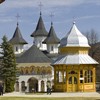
(8, 65)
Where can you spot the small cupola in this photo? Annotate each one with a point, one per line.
(52, 40)
(74, 38)
(40, 34)
(18, 41)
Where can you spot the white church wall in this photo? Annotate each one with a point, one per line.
(18, 49)
(52, 48)
(38, 42)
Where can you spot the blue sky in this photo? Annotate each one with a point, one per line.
(85, 12)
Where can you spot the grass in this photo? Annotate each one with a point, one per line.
(55, 98)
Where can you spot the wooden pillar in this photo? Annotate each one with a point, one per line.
(94, 78)
(67, 79)
(78, 78)
(83, 80)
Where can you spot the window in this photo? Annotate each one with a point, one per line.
(59, 76)
(70, 80)
(72, 72)
(51, 48)
(75, 80)
(16, 48)
(64, 76)
(81, 76)
(88, 76)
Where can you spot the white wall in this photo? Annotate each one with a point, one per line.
(19, 49)
(55, 48)
(38, 42)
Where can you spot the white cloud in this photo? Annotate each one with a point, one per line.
(77, 18)
(46, 3)
(88, 17)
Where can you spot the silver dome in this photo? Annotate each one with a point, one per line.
(74, 38)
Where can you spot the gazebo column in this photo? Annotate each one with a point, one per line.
(93, 77)
(79, 79)
(83, 80)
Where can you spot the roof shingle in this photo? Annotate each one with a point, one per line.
(17, 37)
(51, 38)
(40, 29)
(33, 55)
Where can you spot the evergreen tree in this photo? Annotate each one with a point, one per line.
(8, 65)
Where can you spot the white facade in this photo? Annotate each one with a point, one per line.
(18, 49)
(52, 48)
(38, 42)
(42, 87)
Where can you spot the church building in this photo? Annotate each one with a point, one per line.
(65, 64)
(34, 65)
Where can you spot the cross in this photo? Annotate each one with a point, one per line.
(51, 15)
(17, 16)
(40, 5)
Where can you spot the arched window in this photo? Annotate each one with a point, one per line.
(81, 76)
(72, 72)
(70, 80)
(23, 86)
(16, 48)
(88, 77)
(51, 48)
(42, 86)
(17, 86)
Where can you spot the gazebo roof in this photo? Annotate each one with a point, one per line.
(75, 59)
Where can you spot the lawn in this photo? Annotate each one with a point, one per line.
(55, 98)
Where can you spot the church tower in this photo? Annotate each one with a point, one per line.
(18, 41)
(40, 34)
(52, 41)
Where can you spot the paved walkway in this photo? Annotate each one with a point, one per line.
(78, 94)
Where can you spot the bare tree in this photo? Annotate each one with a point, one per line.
(94, 52)
(92, 36)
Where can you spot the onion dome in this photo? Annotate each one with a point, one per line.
(74, 38)
(17, 37)
(51, 38)
(40, 29)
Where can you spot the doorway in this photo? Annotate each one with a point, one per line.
(33, 84)
(72, 82)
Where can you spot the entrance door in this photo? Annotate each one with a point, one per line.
(33, 85)
(72, 84)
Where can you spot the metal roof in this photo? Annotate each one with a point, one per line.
(33, 55)
(52, 37)
(74, 38)
(74, 59)
(17, 37)
(40, 29)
